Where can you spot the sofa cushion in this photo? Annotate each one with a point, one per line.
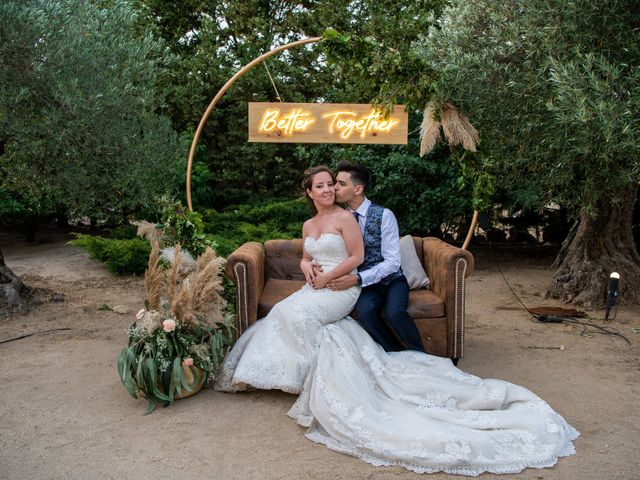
(275, 290)
(422, 303)
(411, 265)
(282, 259)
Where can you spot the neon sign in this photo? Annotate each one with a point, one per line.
(296, 120)
(372, 122)
(326, 123)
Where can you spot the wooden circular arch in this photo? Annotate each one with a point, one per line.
(231, 81)
(222, 91)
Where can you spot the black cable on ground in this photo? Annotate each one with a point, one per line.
(34, 333)
(606, 330)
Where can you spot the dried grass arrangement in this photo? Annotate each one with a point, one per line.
(182, 335)
(456, 128)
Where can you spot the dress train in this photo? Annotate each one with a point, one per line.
(399, 408)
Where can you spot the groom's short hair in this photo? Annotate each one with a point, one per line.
(359, 174)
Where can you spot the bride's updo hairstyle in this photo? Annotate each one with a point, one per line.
(307, 182)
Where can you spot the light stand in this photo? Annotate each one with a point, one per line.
(612, 293)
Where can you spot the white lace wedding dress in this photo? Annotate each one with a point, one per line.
(401, 408)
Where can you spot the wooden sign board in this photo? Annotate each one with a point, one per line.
(326, 123)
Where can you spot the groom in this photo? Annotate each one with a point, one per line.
(383, 284)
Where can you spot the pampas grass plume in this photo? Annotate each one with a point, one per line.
(429, 130)
(472, 138)
(154, 278)
(457, 128)
(148, 230)
(187, 263)
(181, 303)
(174, 276)
(193, 292)
(207, 285)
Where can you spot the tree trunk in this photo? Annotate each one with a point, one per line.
(15, 296)
(594, 248)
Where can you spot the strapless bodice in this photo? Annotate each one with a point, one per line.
(328, 249)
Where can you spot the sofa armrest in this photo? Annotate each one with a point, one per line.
(447, 267)
(245, 268)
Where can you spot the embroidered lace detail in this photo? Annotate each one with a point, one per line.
(402, 408)
(277, 351)
(421, 412)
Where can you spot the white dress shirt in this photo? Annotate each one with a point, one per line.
(390, 247)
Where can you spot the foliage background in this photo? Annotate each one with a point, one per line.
(100, 99)
(552, 86)
(80, 130)
(101, 128)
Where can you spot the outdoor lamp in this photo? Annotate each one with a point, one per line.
(610, 303)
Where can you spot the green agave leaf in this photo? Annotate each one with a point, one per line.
(151, 406)
(146, 376)
(152, 372)
(124, 372)
(122, 364)
(179, 349)
(139, 377)
(227, 328)
(131, 365)
(150, 367)
(185, 382)
(176, 370)
(172, 386)
(131, 355)
(131, 388)
(166, 382)
(150, 375)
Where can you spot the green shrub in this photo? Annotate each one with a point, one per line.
(123, 232)
(243, 223)
(122, 257)
(10, 206)
(179, 225)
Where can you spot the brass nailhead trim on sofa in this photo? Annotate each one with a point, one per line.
(241, 282)
(459, 308)
(240, 270)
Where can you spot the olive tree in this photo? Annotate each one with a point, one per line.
(552, 87)
(79, 128)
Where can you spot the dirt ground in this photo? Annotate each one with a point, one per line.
(65, 415)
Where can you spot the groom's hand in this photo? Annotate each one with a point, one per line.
(343, 282)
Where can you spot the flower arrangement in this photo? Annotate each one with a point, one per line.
(182, 335)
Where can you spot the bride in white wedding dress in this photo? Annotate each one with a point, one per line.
(398, 408)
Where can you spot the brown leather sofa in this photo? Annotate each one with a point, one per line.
(264, 275)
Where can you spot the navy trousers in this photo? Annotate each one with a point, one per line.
(393, 299)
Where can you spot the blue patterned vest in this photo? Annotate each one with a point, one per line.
(373, 242)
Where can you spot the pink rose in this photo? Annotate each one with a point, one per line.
(140, 314)
(187, 362)
(169, 325)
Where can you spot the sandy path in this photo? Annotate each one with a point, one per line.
(65, 415)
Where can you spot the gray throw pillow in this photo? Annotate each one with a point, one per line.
(411, 266)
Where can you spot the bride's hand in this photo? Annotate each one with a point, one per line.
(309, 271)
(320, 281)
